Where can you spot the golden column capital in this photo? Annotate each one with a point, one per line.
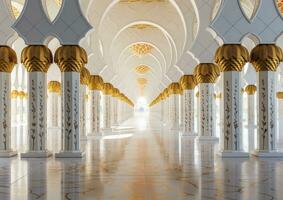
(188, 82)
(8, 59)
(85, 76)
(279, 95)
(250, 89)
(22, 95)
(206, 73)
(36, 58)
(175, 88)
(231, 57)
(266, 57)
(54, 87)
(95, 82)
(107, 88)
(166, 93)
(115, 92)
(14, 94)
(70, 58)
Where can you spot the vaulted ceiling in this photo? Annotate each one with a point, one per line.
(136, 44)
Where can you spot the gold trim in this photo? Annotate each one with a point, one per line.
(141, 49)
(14, 94)
(206, 73)
(231, 57)
(188, 82)
(175, 88)
(70, 58)
(54, 87)
(250, 89)
(266, 57)
(36, 58)
(107, 88)
(95, 83)
(8, 59)
(279, 95)
(85, 76)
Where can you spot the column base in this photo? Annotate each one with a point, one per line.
(234, 154)
(70, 154)
(107, 131)
(267, 154)
(36, 154)
(208, 138)
(8, 154)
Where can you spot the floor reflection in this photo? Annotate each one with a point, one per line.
(141, 160)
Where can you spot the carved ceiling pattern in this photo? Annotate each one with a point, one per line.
(141, 49)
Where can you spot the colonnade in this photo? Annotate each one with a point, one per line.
(229, 62)
(66, 101)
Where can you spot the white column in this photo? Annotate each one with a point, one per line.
(70, 115)
(266, 58)
(182, 111)
(107, 113)
(37, 112)
(174, 100)
(54, 89)
(5, 115)
(114, 111)
(206, 118)
(95, 99)
(83, 89)
(232, 132)
(189, 126)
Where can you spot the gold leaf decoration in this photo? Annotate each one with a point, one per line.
(142, 81)
(142, 26)
(280, 6)
(59, 2)
(141, 49)
(142, 69)
(16, 12)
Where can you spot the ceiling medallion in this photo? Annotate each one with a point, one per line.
(141, 49)
(142, 69)
(142, 26)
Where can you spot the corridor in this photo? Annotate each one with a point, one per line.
(141, 160)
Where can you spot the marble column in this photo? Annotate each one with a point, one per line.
(250, 90)
(8, 59)
(188, 85)
(95, 87)
(266, 58)
(206, 75)
(84, 80)
(37, 60)
(175, 91)
(231, 59)
(115, 96)
(107, 94)
(70, 59)
(54, 89)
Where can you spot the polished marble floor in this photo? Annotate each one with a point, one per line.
(142, 161)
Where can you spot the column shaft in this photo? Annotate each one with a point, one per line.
(95, 99)
(189, 104)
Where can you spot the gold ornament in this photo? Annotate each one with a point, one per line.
(70, 58)
(142, 26)
(187, 82)
(95, 82)
(36, 58)
(206, 73)
(8, 59)
(22, 95)
(142, 69)
(266, 57)
(14, 94)
(85, 76)
(54, 87)
(250, 89)
(115, 92)
(107, 88)
(231, 57)
(279, 95)
(197, 94)
(141, 49)
(175, 88)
